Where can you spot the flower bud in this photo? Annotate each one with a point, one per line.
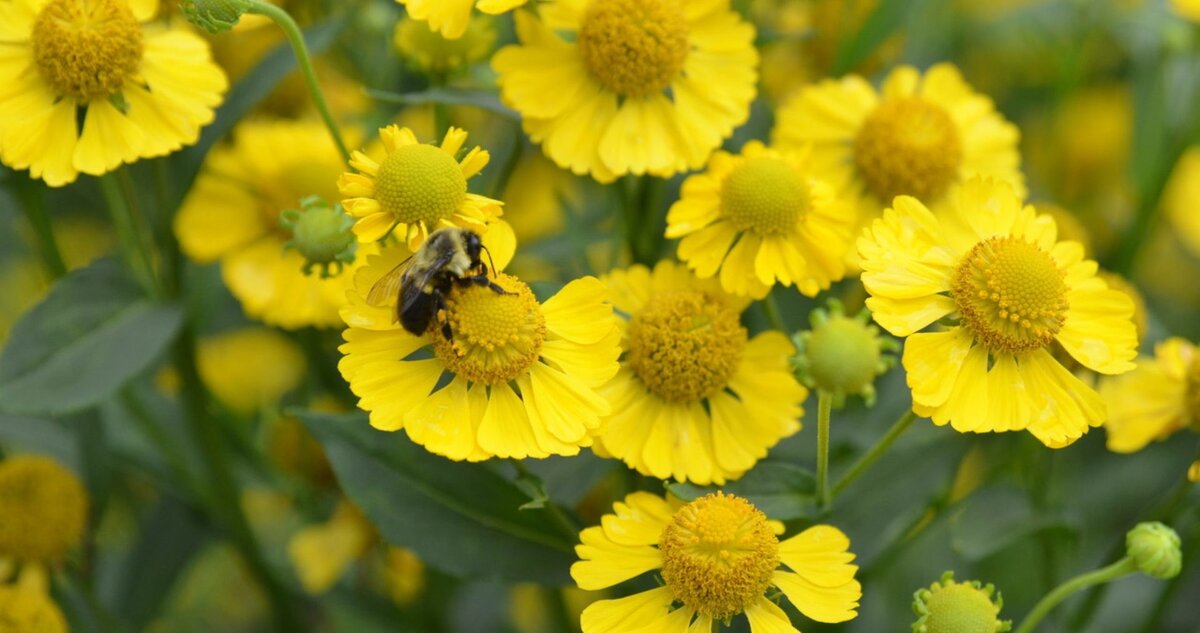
(214, 16)
(322, 233)
(44, 509)
(842, 355)
(958, 607)
(1155, 549)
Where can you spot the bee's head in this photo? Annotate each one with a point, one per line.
(472, 244)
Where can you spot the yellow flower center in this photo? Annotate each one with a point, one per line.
(685, 346)
(44, 509)
(910, 147)
(25, 610)
(765, 195)
(718, 555)
(87, 49)
(634, 47)
(1011, 294)
(960, 608)
(496, 337)
(420, 183)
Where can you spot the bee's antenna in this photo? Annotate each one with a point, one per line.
(490, 261)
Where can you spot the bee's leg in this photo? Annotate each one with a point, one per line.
(439, 313)
(482, 280)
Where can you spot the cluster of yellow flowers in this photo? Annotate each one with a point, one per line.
(913, 186)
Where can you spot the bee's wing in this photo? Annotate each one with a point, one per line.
(420, 278)
(384, 291)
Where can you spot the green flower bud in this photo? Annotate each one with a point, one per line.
(214, 16)
(322, 234)
(1155, 549)
(842, 355)
(958, 607)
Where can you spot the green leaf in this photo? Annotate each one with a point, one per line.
(448, 96)
(995, 518)
(92, 334)
(888, 16)
(464, 519)
(781, 490)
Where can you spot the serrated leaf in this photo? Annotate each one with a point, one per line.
(781, 490)
(92, 334)
(462, 518)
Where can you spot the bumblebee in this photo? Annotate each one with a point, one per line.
(419, 285)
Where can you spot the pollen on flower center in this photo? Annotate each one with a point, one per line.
(44, 508)
(634, 47)
(87, 49)
(420, 183)
(765, 195)
(1011, 294)
(684, 346)
(908, 146)
(495, 337)
(719, 554)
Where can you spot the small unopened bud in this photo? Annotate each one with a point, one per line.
(1155, 549)
(322, 233)
(842, 355)
(958, 607)
(214, 16)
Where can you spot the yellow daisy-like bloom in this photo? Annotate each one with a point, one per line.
(321, 553)
(251, 368)
(1180, 196)
(232, 215)
(696, 399)
(1189, 9)
(433, 52)
(140, 88)
(615, 87)
(26, 610)
(555, 354)
(44, 506)
(1158, 398)
(416, 188)
(1014, 292)
(717, 557)
(759, 218)
(451, 17)
(917, 136)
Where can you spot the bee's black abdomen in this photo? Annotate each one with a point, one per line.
(420, 311)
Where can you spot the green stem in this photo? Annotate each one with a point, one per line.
(33, 203)
(296, 38)
(224, 496)
(133, 249)
(1123, 567)
(864, 462)
(824, 409)
(774, 315)
(564, 523)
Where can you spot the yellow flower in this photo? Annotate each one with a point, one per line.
(717, 557)
(140, 88)
(321, 553)
(232, 215)
(434, 53)
(1013, 292)
(416, 189)
(918, 136)
(1181, 196)
(404, 575)
(1189, 9)
(452, 17)
(44, 506)
(251, 368)
(25, 610)
(557, 354)
(1158, 398)
(759, 218)
(696, 399)
(615, 87)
